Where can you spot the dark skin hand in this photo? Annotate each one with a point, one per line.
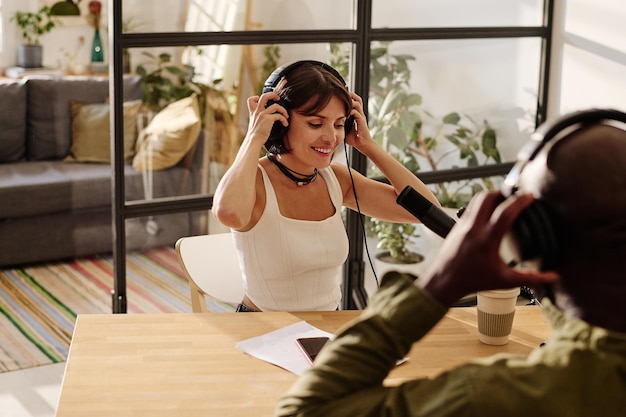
(469, 260)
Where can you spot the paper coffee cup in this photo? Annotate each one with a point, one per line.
(496, 310)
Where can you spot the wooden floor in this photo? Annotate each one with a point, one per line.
(32, 392)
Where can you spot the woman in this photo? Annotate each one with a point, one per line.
(284, 209)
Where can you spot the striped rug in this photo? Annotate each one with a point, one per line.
(39, 304)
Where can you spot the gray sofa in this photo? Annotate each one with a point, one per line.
(51, 209)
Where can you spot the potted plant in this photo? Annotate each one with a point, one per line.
(394, 240)
(33, 25)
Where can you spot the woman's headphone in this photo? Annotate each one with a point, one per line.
(537, 230)
(278, 130)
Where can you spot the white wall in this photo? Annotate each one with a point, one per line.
(589, 56)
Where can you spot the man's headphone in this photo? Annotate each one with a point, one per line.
(278, 130)
(537, 230)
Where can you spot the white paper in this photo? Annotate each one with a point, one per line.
(279, 347)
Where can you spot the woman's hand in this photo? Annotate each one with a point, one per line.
(262, 116)
(359, 136)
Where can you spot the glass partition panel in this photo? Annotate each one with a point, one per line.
(296, 15)
(186, 123)
(163, 229)
(453, 103)
(455, 13)
(236, 15)
(183, 144)
(156, 282)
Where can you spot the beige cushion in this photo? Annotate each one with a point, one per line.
(169, 136)
(91, 139)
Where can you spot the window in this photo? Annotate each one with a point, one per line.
(210, 61)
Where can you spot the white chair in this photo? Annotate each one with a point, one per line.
(212, 268)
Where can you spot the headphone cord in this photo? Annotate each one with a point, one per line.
(358, 208)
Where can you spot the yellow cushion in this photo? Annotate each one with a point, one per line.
(91, 132)
(169, 136)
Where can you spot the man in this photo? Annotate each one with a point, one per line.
(580, 371)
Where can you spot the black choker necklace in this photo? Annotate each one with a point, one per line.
(304, 180)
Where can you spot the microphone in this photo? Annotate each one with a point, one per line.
(429, 214)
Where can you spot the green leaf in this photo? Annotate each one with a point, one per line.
(453, 139)
(376, 53)
(391, 102)
(430, 142)
(396, 137)
(476, 188)
(179, 72)
(463, 132)
(410, 163)
(408, 122)
(452, 118)
(165, 57)
(489, 184)
(490, 148)
(413, 100)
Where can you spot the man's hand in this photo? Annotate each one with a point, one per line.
(469, 260)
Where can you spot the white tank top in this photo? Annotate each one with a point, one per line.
(294, 265)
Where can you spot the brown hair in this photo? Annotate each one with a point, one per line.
(307, 89)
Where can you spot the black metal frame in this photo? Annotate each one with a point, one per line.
(355, 296)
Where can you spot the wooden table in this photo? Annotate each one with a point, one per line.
(187, 364)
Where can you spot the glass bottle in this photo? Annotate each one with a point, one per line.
(97, 52)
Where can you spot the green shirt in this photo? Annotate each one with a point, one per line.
(581, 371)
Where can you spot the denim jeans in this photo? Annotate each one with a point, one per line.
(242, 308)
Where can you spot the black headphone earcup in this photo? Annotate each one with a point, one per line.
(278, 130)
(535, 234)
(349, 125)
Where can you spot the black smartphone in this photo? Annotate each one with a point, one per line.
(311, 346)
